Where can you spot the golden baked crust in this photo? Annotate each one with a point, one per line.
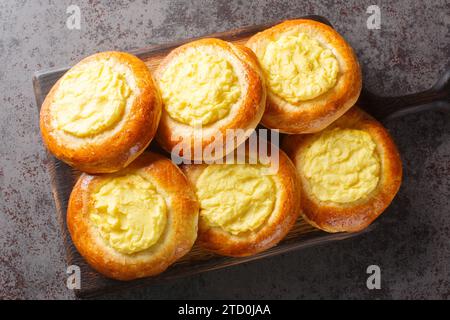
(245, 114)
(351, 216)
(177, 239)
(315, 114)
(116, 147)
(274, 229)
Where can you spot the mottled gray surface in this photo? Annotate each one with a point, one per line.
(412, 244)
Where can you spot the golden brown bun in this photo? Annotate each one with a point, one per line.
(273, 230)
(115, 148)
(177, 239)
(245, 114)
(353, 216)
(312, 115)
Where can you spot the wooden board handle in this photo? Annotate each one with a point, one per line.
(437, 97)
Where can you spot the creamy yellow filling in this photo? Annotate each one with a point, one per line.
(342, 165)
(199, 88)
(298, 67)
(129, 213)
(91, 99)
(236, 197)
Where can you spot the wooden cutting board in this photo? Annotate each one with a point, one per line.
(197, 261)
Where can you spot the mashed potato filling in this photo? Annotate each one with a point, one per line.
(342, 165)
(236, 197)
(298, 67)
(199, 88)
(91, 99)
(129, 213)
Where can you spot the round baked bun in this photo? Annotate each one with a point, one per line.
(136, 222)
(209, 86)
(349, 173)
(245, 207)
(312, 75)
(102, 113)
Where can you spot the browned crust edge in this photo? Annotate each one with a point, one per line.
(316, 114)
(180, 234)
(119, 149)
(354, 216)
(277, 226)
(250, 110)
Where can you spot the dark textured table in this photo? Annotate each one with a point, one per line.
(412, 242)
